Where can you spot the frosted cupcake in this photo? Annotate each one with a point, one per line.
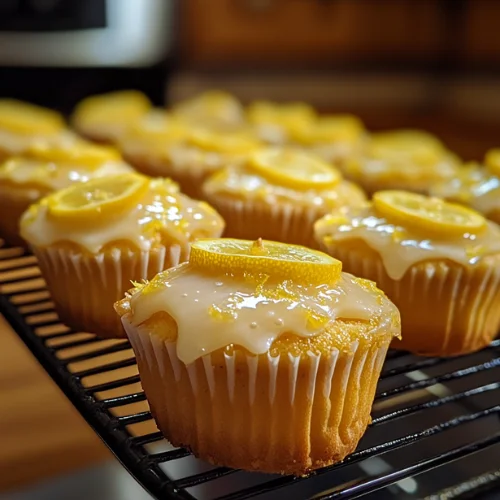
(106, 117)
(213, 109)
(186, 156)
(403, 159)
(334, 138)
(22, 123)
(438, 262)
(92, 239)
(276, 123)
(278, 194)
(45, 168)
(476, 186)
(261, 356)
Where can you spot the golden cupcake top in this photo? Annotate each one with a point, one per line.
(119, 209)
(213, 109)
(249, 294)
(274, 174)
(156, 125)
(276, 122)
(22, 118)
(409, 156)
(109, 114)
(327, 130)
(475, 185)
(49, 166)
(407, 228)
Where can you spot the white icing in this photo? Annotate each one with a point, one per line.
(475, 186)
(180, 218)
(18, 143)
(56, 176)
(249, 318)
(400, 248)
(246, 183)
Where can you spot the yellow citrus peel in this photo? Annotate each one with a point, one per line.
(276, 260)
(78, 153)
(24, 118)
(105, 196)
(237, 143)
(294, 169)
(430, 215)
(123, 106)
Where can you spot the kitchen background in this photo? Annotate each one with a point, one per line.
(433, 64)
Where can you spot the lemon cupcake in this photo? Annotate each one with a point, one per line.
(278, 194)
(92, 239)
(412, 160)
(106, 117)
(22, 123)
(439, 262)
(186, 156)
(261, 356)
(276, 123)
(213, 109)
(476, 186)
(45, 168)
(335, 138)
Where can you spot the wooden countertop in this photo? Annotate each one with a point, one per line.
(41, 433)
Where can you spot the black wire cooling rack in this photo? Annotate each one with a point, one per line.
(435, 432)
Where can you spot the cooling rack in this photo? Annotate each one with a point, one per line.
(435, 432)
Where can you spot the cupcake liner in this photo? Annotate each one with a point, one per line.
(190, 177)
(84, 287)
(251, 220)
(446, 308)
(281, 414)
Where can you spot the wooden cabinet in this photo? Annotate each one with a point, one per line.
(304, 33)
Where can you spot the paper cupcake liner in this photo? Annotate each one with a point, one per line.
(446, 309)
(284, 414)
(190, 178)
(278, 222)
(85, 287)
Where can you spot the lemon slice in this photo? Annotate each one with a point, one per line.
(157, 124)
(418, 146)
(492, 161)
(77, 153)
(237, 143)
(124, 106)
(98, 197)
(213, 106)
(277, 260)
(294, 169)
(261, 112)
(24, 118)
(427, 214)
(328, 129)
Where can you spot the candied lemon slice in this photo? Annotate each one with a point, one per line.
(124, 106)
(492, 161)
(260, 112)
(77, 153)
(265, 257)
(294, 169)
(101, 196)
(223, 143)
(24, 118)
(158, 124)
(328, 129)
(419, 146)
(427, 214)
(213, 107)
